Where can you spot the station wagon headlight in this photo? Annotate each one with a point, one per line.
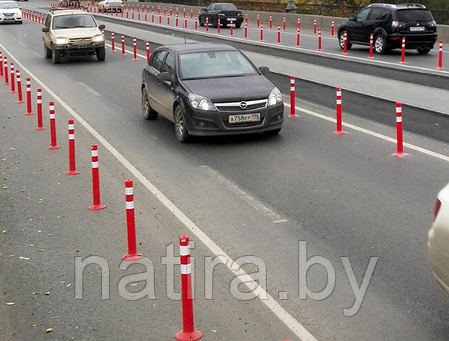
(275, 97)
(99, 38)
(61, 41)
(200, 102)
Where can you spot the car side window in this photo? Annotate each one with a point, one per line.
(385, 15)
(361, 16)
(158, 59)
(169, 65)
(375, 14)
(47, 21)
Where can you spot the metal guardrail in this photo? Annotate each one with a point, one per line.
(337, 11)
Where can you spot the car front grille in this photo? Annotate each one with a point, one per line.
(242, 105)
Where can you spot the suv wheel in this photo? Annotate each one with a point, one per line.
(380, 44)
(56, 56)
(180, 125)
(101, 54)
(423, 50)
(341, 41)
(147, 112)
(201, 21)
(47, 51)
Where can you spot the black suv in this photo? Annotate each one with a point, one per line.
(388, 24)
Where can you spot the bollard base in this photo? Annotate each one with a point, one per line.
(97, 207)
(185, 336)
(40, 128)
(400, 154)
(53, 147)
(20, 102)
(292, 116)
(29, 113)
(132, 256)
(339, 132)
(73, 172)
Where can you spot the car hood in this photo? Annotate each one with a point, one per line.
(231, 89)
(77, 32)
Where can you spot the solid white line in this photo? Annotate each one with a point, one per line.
(296, 327)
(372, 133)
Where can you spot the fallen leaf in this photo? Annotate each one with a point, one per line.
(48, 330)
(4, 231)
(10, 303)
(35, 293)
(68, 285)
(47, 293)
(34, 325)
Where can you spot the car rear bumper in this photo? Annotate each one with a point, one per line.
(217, 123)
(227, 20)
(413, 41)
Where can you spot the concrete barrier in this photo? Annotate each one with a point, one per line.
(291, 20)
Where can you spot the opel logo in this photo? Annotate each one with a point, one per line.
(243, 105)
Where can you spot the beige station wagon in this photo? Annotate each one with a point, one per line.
(72, 32)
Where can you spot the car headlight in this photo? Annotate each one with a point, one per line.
(61, 41)
(275, 97)
(200, 102)
(2, 16)
(98, 38)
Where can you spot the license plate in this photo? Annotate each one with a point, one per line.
(232, 19)
(233, 119)
(417, 28)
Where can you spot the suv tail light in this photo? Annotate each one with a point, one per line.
(395, 24)
(437, 209)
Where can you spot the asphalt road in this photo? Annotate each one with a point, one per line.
(345, 196)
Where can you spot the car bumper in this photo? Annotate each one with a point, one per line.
(440, 263)
(413, 41)
(212, 123)
(10, 19)
(227, 20)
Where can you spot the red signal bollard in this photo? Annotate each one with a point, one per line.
(5, 65)
(207, 24)
(283, 23)
(279, 34)
(232, 29)
(1, 64)
(261, 32)
(319, 39)
(147, 43)
(188, 333)
(184, 12)
(131, 223)
(371, 46)
(298, 33)
(258, 21)
(403, 51)
(160, 19)
(39, 110)
(246, 31)
(53, 145)
(95, 180)
(29, 110)
(19, 87)
(332, 28)
(13, 77)
(314, 26)
(271, 22)
(152, 17)
(339, 130)
(218, 27)
(185, 23)
(135, 48)
(345, 38)
(246, 17)
(112, 42)
(72, 163)
(400, 140)
(196, 23)
(191, 13)
(440, 56)
(123, 45)
(292, 98)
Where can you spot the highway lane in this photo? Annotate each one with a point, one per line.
(318, 188)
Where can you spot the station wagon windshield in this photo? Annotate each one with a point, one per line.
(73, 21)
(214, 64)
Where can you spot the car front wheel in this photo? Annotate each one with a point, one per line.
(147, 112)
(47, 51)
(201, 21)
(380, 44)
(56, 56)
(180, 125)
(341, 41)
(101, 54)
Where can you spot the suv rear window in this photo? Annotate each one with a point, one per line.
(413, 15)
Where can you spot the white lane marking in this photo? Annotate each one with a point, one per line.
(372, 133)
(254, 203)
(297, 328)
(89, 89)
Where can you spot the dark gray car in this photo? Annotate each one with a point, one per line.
(210, 89)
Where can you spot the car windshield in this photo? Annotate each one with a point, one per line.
(72, 21)
(227, 7)
(214, 64)
(8, 5)
(414, 15)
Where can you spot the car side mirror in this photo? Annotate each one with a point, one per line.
(102, 26)
(45, 29)
(351, 19)
(264, 69)
(204, 9)
(164, 76)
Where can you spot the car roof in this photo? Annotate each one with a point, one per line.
(399, 6)
(199, 47)
(59, 12)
